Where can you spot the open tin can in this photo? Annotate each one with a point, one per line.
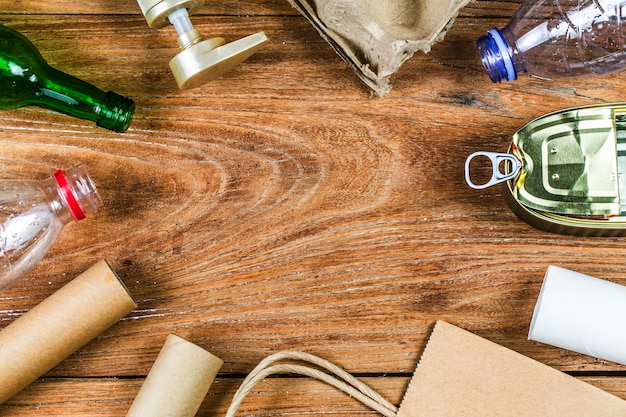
(563, 171)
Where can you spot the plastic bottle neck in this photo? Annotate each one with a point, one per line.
(67, 94)
(72, 194)
(498, 55)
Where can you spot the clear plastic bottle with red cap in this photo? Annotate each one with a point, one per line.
(33, 213)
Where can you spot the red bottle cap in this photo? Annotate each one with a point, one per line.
(68, 194)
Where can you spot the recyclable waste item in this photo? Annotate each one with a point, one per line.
(376, 37)
(459, 374)
(302, 363)
(565, 172)
(60, 325)
(178, 381)
(557, 38)
(33, 213)
(200, 61)
(26, 79)
(581, 313)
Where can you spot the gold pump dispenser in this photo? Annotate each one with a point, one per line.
(200, 60)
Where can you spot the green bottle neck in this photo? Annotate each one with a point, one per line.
(67, 94)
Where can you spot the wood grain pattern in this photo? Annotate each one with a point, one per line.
(284, 207)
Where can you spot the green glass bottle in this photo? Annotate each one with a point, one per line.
(26, 79)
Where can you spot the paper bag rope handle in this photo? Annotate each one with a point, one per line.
(342, 380)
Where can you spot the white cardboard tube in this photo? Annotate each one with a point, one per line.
(581, 313)
(59, 325)
(178, 381)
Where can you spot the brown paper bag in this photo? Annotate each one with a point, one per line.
(461, 374)
(375, 37)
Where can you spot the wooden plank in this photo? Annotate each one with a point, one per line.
(284, 207)
(348, 214)
(477, 9)
(112, 397)
(121, 7)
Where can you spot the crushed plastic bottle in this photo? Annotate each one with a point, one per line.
(33, 213)
(557, 38)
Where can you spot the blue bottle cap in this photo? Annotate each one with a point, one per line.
(496, 56)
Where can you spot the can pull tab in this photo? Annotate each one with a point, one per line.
(496, 160)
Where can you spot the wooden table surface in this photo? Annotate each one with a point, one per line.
(285, 207)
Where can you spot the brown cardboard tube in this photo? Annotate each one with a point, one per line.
(61, 324)
(178, 381)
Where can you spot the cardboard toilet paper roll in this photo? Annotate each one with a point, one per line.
(61, 324)
(581, 313)
(178, 381)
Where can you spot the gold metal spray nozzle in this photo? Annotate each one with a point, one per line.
(199, 61)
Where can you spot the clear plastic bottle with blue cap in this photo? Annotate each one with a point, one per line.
(557, 38)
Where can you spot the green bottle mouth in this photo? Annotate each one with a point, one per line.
(118, 113)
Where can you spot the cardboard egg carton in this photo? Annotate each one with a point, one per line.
(375, 37)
